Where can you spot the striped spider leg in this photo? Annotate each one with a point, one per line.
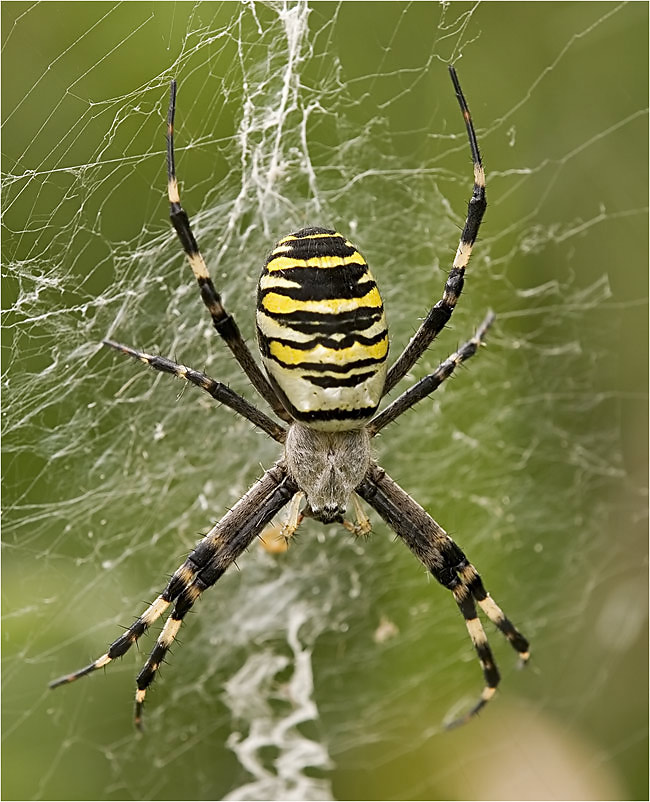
(223, 544)
(223, 322)
(219, 391)
(442, 557)
(440, 313)
(423, 388)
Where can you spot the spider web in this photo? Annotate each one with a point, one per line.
(325, 672)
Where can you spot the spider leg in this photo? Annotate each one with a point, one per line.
(122, 644)
(440, 313)
(222, 321)
(474, 583)
(445, 560)
(429, 383)
(220, 392)
(223, 544)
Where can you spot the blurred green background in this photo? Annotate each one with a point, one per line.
(326, 672)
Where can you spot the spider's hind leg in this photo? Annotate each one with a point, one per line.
(223, 322)
(441, 311)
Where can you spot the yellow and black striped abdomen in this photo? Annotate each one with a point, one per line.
(322, 330)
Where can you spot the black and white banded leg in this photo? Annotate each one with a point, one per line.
(430, 383)
(445, 560)
(223, 322)
(225, 542)
(220, 392)
(439, 314)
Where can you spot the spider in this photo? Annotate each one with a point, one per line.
(324, 346)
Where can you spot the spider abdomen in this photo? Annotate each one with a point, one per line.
(322, 330)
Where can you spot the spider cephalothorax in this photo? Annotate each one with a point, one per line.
(324, 344)
(326, 466)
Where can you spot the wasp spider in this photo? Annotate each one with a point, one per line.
(324, 344)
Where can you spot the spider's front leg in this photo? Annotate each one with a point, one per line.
(444, 559)
(225, 542)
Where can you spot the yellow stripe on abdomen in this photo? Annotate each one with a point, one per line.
(280, 304)
(324, 356)
(322, 330)
(286, 262)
